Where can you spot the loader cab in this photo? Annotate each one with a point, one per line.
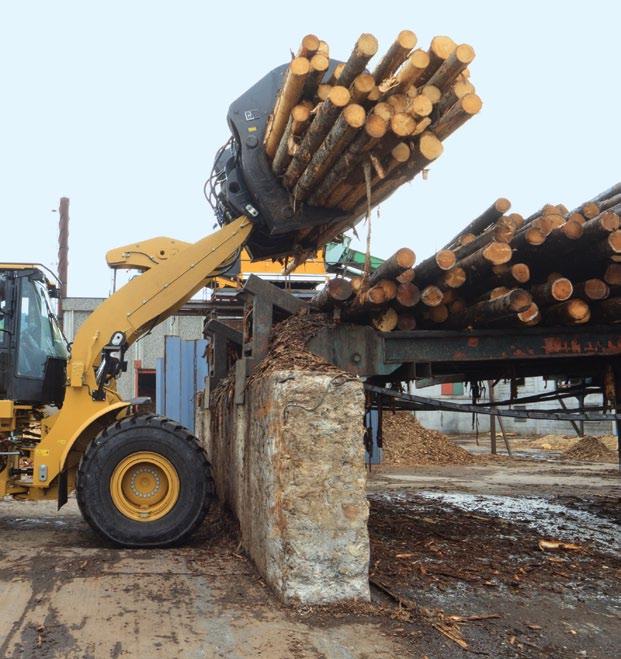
(33, 352)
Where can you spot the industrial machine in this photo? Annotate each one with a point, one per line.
(141, 480)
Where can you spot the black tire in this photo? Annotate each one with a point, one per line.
(158, 435)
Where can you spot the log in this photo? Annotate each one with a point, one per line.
(374, 128)
(593, 289)
(390, 288)
(365, 48)
(384, 110)
(432, 93)
(571, 312)
(531, 316)
(458, 90)
(457, 307)
(420, 106)
(323, 91)
(289, 96)
(438, 314)
(507, 305)
(429, 149)
(440, 50)
(386, 320)
(601, 225)
(510, 274)
(552, 291)
(497, 233)
(434, 267)
(364, 303)
(612, 274)
(413, 69)
(609, 247)
(402, 124)
(399, 102)
(454, 278)
(611, 203)
(325, 117)
(488, 217)
(351, 119)
(431, 296)
(457, 115)
(494, 253)
(335, 293)
(318, 66)
(339, 193)
(334, 79)
(564, 239)
(526, 241)
(395, 56)
(361, 87)
(324, 49)
(452, 66)
(309, 46)
(406, 277)
(610, 309)
(408, 296)
(403, 259)
(298, 123)
(406, 322)
(606, 194)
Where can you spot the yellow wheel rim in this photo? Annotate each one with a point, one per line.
(144, 486)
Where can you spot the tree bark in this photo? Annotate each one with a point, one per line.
(365, 48)
(403, 259)
(593, 289)
(335, 293)
(457, 115)
(395, 56)
(452, 66)
(375, 127)
(488, 217)
(298, 123)
(343, 131)
(327, 114)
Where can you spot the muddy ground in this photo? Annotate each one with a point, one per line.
(446, 541)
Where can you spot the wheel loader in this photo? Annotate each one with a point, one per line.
(141, 480)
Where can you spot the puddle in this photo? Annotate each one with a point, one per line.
(550, 520)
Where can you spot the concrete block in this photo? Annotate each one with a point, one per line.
(289, 462)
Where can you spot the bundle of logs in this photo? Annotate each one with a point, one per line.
(555, 267)
(342, 137)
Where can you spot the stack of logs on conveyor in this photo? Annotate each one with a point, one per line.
(338, 133)
(555, 267)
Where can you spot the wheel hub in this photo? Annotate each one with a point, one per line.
(144, 486)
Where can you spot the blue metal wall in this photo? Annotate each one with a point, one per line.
(179, 375)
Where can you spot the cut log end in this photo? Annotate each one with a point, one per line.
(442, 46)
(309, 46)
(401, 152)
(354, 115)
(445, 259)
(376, 126)
(367, 45)
(402, 124)
(431, 296)
(497, 253)
(430, 146)
(520, 272)
(339, 96)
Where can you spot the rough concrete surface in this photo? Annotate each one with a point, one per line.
(289, 463)
(64, 593)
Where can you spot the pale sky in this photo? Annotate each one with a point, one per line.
(121, 106)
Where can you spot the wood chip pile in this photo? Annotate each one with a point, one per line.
(590, 449)
(407, 442)
(332, 121)
(556, 267)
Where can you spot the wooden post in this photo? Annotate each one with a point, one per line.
(63, 253)
(492, 417)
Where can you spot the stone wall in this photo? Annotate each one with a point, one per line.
(289, 462)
